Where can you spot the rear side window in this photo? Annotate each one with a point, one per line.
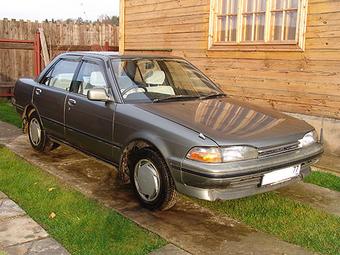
(91, 75)
(61, 75)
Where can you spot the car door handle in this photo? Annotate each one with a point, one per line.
(71, 102)
(38, 91)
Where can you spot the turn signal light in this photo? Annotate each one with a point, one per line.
(206, 155)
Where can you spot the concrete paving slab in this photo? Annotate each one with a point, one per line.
(318, 197)
(46, 246)
(8, 132)
(187, 225)
(329, 163)
(169, 249)
(19, 230)
(9, 209)
(19, 234)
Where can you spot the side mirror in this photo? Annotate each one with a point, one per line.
(98, 94)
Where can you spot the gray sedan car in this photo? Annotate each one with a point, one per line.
(165, 125)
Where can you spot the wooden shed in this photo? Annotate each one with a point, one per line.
(283, 54)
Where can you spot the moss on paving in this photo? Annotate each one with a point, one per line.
(81, 225)
(8, 113)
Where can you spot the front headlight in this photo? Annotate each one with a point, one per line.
(219, 155)
(236, 153)
(308, 139)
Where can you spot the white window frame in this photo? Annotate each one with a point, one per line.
(292, 45)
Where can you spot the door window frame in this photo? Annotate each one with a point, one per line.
(101, 64)
(52, 66)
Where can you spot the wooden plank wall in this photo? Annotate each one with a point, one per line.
(303, 82)
(60, 37)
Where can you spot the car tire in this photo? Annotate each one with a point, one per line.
(151, 180)
(37, 135)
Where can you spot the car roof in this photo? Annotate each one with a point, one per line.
(113, 54)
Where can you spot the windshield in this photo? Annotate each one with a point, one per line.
(157, 80)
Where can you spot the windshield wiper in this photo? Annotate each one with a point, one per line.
(174, 98)
(214, 95)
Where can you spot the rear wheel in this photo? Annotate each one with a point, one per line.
(37, 135)
(151, 180)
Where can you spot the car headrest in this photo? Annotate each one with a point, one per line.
(97, 79)
(155, 77)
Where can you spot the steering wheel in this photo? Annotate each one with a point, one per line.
(131, 88)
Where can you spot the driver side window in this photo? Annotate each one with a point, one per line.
(90, 76)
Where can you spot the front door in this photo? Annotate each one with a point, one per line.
(89, 124)
(49, 95)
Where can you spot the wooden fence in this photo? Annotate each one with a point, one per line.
(17, 57)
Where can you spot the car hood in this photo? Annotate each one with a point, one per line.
(231, 122)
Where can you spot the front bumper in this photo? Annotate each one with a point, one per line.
(240, 179)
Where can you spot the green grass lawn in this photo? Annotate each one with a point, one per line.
(289, 220)
(81, 225)
(323, 179)
(9, 114)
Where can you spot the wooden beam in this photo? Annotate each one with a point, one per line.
(211, 31)
(6, 89)
(122, 27)
(16, 41)
(6, 85)
(16, 46)
(149, 49)
(302, 21)
(6, 94)
(81, 47)
(27, 46)
(44, 49)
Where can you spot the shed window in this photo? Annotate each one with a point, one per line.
(257, 24)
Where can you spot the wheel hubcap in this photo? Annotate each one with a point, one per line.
(35, 131)
(147, 180)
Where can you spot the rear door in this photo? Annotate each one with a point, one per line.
(89, 124)
(50, 94)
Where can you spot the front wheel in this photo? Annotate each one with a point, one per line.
(151, 180)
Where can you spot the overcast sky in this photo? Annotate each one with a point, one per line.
(57, 9)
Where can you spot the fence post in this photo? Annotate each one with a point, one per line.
(37, 53)
(106, 46)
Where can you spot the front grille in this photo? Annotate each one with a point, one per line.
(247, 182)
(276, 150)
